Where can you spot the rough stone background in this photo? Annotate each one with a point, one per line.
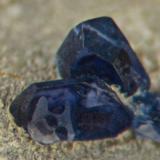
(30, 33)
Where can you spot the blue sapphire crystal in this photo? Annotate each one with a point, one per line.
(70, 110)
(98, 48)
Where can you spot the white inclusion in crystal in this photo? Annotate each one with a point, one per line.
(64, 119)
(96, 97)
(41, 109)
(92, 100)
(76, 30)
(38, 117)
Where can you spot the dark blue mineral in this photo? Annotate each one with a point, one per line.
(97, 48)
(70, 110)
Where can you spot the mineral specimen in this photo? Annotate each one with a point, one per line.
(83, 106)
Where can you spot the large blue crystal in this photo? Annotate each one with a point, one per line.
(98, 48)
(70, 110)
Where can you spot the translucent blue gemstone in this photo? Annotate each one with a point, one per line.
(70, 110)
(98, 48)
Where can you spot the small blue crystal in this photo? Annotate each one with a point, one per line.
(146, 123)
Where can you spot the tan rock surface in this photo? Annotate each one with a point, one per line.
(30, 33)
